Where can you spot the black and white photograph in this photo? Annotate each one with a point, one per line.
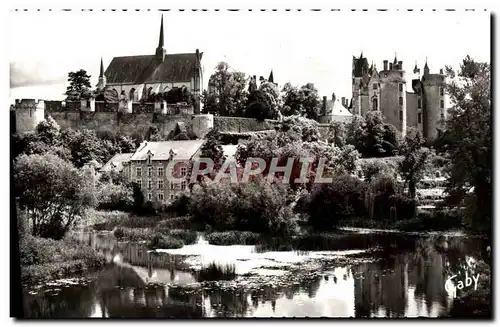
(288, 163)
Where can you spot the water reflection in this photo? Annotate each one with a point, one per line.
(401, 284)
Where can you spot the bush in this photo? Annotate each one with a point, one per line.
(232, 237)
(43, 259)
(187, 236)
(175, 223)
(160, 241)
(180, 205)
(104, 220)
(133, 234)
(217, 272)
(331, 203)
(379, 193)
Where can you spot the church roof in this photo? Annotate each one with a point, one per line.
(178, 67)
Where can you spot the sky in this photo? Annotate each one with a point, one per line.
(299, 47)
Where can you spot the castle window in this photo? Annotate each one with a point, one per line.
(442, 104)
(183, 185)
(160, 171)
(183, 171)
(441, 91)
(150, 196)
(375, 104)
(150, 171)
(400, 101)
(139, 182)
(419, 104)
(160, 197)
(375, 85)
(160, 184)
(172, 186)
(150, 184)
(401, 115)
(172, 197)
(400, 87)
(138, 171)
(419, 118)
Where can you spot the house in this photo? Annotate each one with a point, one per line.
(161, 169)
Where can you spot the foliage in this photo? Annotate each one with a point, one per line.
(468, 141)
(176, 223)
(373, 168)
(227, 94)
(415, 157)
(337, 133)
(232, 238)
(263, 103)
(43, 259)
(331, 203)
(53, 192)
(256, 206)
(160, 241)
(304, 101)
(215, 271)
(371, 136)
(111, 196)
(79, 85)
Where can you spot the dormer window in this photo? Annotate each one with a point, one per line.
(149, 154)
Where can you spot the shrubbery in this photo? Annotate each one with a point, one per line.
(232, 237)
(43, 259)
(161, 241)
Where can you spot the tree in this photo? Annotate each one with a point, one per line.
(79, 85)
(415, 157)
(228, 89)
(304, 101)
(263, 103)
(52, 191)
(468, 142)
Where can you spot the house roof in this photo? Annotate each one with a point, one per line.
(183, 150)
(335, 108)
(116, 163)
(179, 67)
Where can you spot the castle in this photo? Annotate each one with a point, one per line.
(421, 105)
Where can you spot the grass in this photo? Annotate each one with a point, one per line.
(214, 272)
(45, 259)
(232, 238)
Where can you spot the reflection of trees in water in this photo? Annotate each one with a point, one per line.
(71, 302)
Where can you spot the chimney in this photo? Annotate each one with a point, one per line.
(390, 66)
(385, 64)
(333, 97)
(400, 65)
(324, 104)
(441, 71)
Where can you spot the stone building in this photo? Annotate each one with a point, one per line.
(161, 168)
(421, 104)
(137, 77)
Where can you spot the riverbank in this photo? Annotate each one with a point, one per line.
(45, 259)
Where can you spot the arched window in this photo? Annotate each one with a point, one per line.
(375, 104)
(131, 94)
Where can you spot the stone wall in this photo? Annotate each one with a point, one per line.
(241, 124)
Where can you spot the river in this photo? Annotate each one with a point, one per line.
(404, 279)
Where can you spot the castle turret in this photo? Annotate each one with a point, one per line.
(434, 111)
(271, 77)
(29, 113)
(391, 96)
(101, 84)
(160, 51)
(197, 82)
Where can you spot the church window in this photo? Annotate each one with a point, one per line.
(419, 118)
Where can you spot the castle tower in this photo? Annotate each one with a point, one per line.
(360, 79)
(392, 95)
(271, 77)
(160, 51)
(29, 113)
(434, 109)
(101, 84)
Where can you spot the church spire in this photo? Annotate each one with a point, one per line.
(101, 71)
(271, 77)
(160, 41)
(160, 51)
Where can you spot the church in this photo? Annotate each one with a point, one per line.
(138, 77)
